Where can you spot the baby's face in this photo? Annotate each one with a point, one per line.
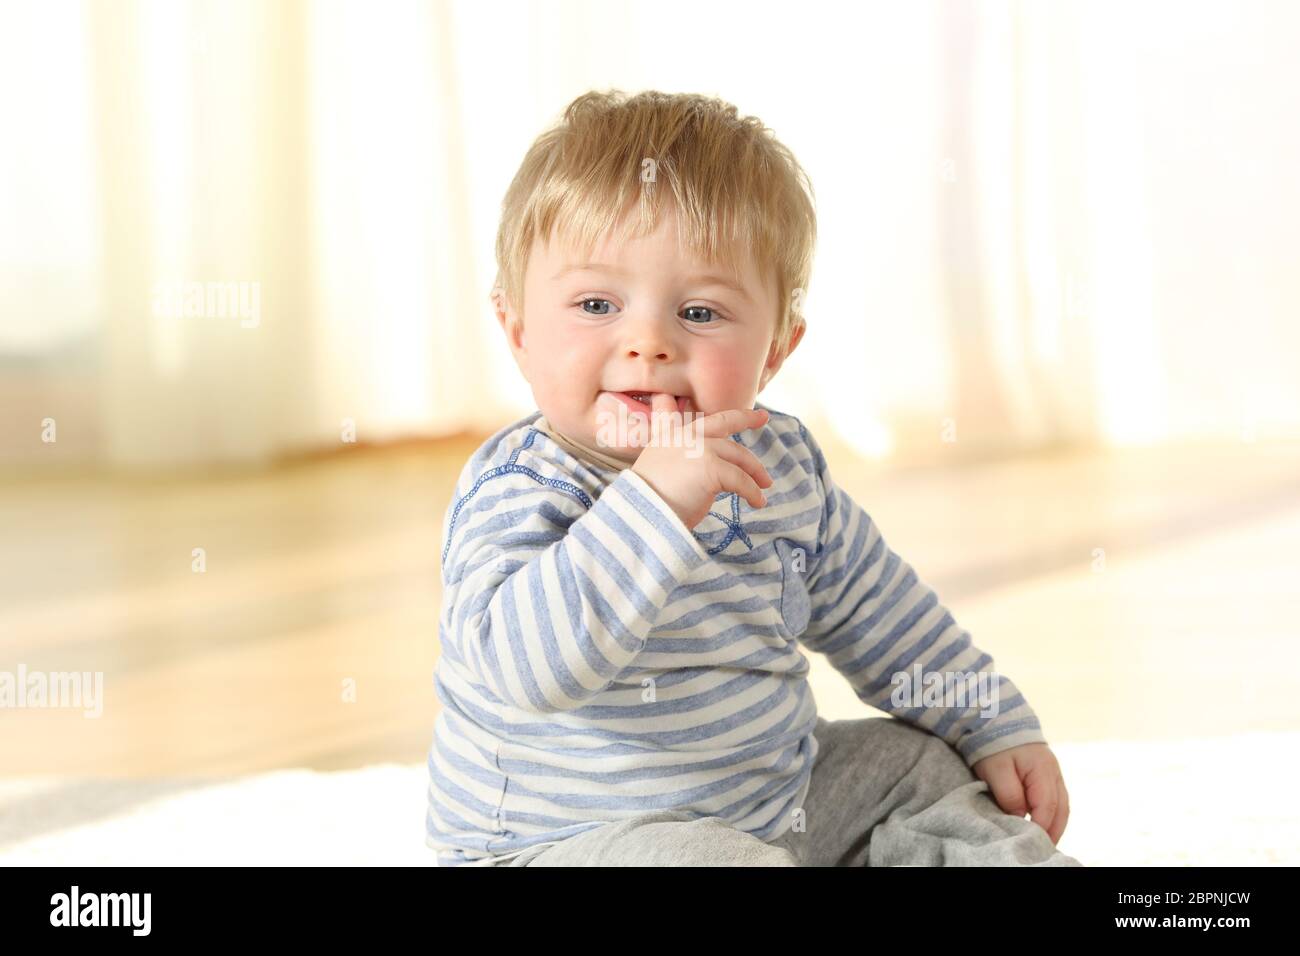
(639, 317)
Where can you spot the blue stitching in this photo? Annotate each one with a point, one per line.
(507, 469)
(734, 527)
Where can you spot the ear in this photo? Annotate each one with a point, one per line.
(511, 323)
(776, 358)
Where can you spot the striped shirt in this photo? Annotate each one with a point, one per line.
(599, 659)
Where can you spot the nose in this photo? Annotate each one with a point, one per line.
(648, 338)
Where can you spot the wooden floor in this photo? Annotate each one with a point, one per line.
(1129, 595)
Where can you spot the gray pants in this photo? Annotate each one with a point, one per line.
(883, 793)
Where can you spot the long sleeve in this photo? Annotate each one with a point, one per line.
(875, 620)
(547, 595)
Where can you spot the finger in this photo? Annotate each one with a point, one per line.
(1043, 799)
(721, 424)
(734, 478)
(640, 432)
(667, 423)
(1063, 814)
(1007, 791)
(662, 402)
(740, 455)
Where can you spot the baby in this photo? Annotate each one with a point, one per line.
(629, 572)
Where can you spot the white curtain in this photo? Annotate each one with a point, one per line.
(1040, 223)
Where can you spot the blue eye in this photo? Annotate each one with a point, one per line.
(712, 315)
(700, 308)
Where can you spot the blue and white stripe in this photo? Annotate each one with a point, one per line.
(599, 659)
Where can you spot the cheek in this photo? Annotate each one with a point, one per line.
(567, 364)
(725, 373)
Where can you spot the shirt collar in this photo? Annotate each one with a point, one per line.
(585, 453)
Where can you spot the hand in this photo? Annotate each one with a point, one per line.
(1028, 779)
(688, 474)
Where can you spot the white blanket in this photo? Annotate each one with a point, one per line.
(1211, 801)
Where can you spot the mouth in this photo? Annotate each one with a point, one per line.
(643, 401)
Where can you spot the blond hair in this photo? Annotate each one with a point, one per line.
(734, 187)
